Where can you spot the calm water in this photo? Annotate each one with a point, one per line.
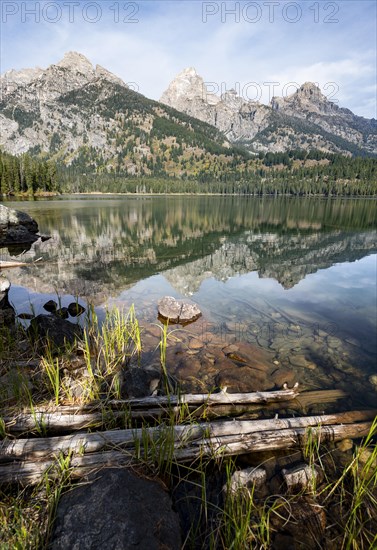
(296, 278)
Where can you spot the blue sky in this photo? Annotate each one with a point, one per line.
(260, 48)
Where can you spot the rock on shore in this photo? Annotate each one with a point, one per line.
(7, 314)
(116, 510)
(16, 227)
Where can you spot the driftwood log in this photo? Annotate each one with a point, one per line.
(9, 264)
(72, 417)
(27, 460)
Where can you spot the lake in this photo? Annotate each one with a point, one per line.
(287, 286)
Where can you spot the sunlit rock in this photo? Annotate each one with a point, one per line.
(178, 311)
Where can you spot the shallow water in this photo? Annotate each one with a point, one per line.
(293, 277)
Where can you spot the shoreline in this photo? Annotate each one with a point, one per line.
(182, 194)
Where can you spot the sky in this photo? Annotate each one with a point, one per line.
(260, 48)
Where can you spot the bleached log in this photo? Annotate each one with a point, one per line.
(270, 441)
(32, 472)
(218, 399)
(44, 421)
(183, 434)
(221, 398)
(4, 264)
(71, 417)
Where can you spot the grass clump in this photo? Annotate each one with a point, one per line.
(27, 513)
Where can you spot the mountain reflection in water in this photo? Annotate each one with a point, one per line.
(115, 243)
(258, 262)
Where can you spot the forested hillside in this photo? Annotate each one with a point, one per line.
(26, 174)
(296, 172)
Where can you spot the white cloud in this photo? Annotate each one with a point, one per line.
(171, 35)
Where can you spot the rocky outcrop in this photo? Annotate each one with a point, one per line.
(33, 105)
(309, 104)
(236, 118)
(116, 510)
(306, 119)
(16, 227)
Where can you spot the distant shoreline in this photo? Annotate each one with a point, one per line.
(179, 194)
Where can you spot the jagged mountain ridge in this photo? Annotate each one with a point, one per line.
(306, 119)
(90, 119)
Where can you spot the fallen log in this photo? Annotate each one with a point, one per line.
(70, 417)
(4, 264)
(180, 451)
(271, 441)
(97, 441)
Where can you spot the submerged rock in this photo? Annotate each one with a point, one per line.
(54, 331)
(116, 510)
(16, 227)
(75, 309)
(242, 379)
(51, 306)
(178, 311)
(249, 354)
(140, 382)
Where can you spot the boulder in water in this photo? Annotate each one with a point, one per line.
(16, 227)
(178, 311)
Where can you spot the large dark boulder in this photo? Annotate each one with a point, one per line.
(16, 227)
(119, 511)
(54, 331)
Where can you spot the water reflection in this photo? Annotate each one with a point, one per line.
(290, 282)
(104, 246)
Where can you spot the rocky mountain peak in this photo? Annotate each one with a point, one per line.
(310, 91)
(189, 71)
(187, 83)
(309, 88)
(77, 62)
(307, 99)
(11, 79)
(305, 119)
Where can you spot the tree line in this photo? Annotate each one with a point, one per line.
(27, 174)
(293, 173)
